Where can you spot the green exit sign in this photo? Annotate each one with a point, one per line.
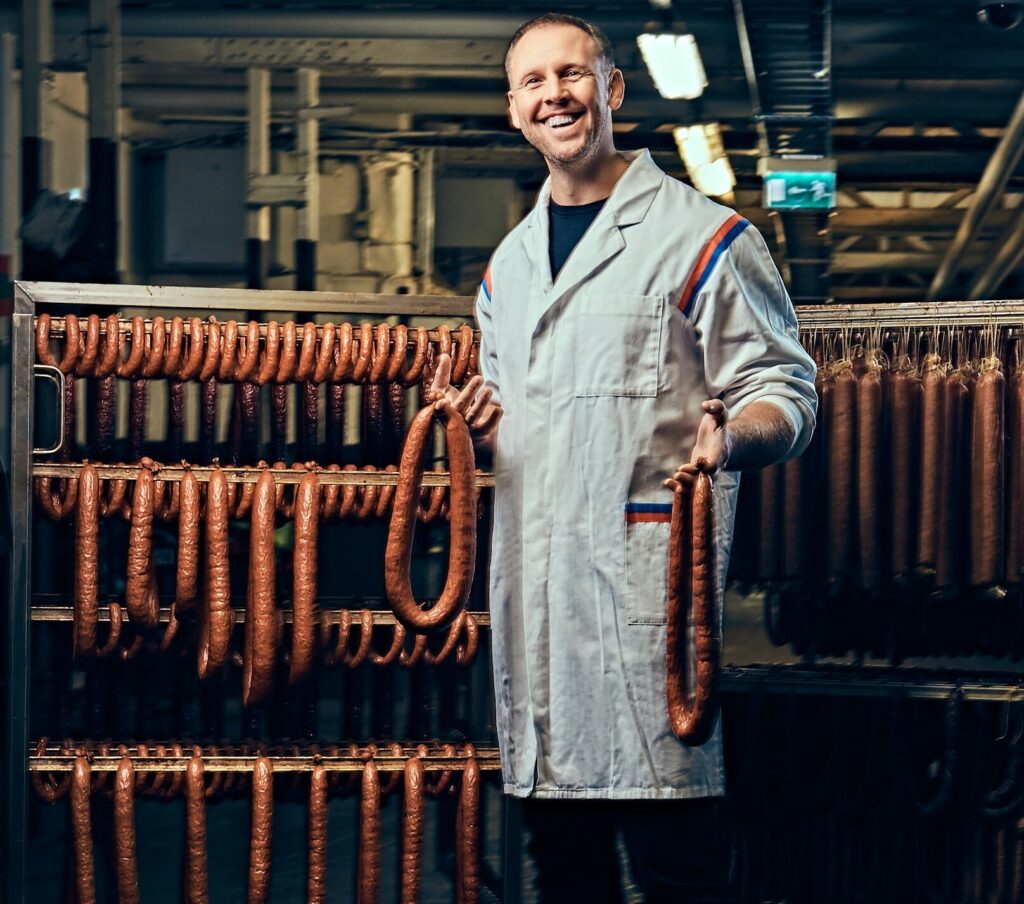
(800, 191)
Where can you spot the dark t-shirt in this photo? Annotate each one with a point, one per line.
(567, 225)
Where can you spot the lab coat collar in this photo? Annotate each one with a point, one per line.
(627, 205)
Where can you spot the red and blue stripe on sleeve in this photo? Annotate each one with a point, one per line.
(648, 511)
(485, 284)
(724, 236)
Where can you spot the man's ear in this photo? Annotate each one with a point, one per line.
(513, 114)
(616, 89)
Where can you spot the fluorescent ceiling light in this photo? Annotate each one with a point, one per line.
(700, 147)
(674, 64)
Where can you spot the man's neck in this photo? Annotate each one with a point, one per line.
(574, 187)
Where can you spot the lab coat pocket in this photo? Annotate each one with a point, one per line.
(618, 345)
(646, 537)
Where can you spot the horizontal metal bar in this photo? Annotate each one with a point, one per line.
(53, 760)
(124, 326)
(172, 473)
(65, 613)
(28, 294)
(930, 313)
(878, 681)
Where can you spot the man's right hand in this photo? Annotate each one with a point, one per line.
(473, 402)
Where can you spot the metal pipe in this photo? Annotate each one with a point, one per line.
(36, 57)
(1011, 253)
(8, 158)
(308, 147)
(257, 155)
(993, 181)
(104, 78)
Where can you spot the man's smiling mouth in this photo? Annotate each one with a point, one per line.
(561, 120)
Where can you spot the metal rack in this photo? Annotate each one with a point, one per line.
(18, 470)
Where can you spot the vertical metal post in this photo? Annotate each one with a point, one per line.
(426, 190)
(36, 56)
(309, 160)
(257, 157)
(104, 137)
(18, 467)
(8, 157)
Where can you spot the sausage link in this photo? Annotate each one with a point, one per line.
(271, 354)
(363, 354)
(842, 451)
(933, 382)
(172, 356)
(415, 656)
(467, 835)
(208, 421)
(304, 570)
(396, 362)
(249, 402)
(106, 407)
(307, 353)
(137, 351)
(138, 407)
(248, 353)
(310, 420)
(451, 642)
(462, 555)
(348, 496)
(86, 587)
(691, 588)
(316, 874)
(262, 830)
(387, 495)
(195, 832)
(125, 865)
(73, 347)
(1015, 471)
(412, 832)
(245, 494)
(368, 882)
(156, 342)
(81, 830)
(394, 651)
(396, 418)
(211, 361)
(325, 354)
(91, 348)
(217, 619)
(46, 784)
(987, 475)
(770, 548)
(352, 660)
(335, 422)
(903, 462)
(140, 581)
(228, 364)
(380, 356)
(186, 591)
(869, 498)
(956, 427)
(374, 424)
(289, 353)
(368, 498)
(461, 365)
(279, 420)
(260, 615)
(343, 354)
(335, 651)
(419, 359)
(106, 365)
(444, 341)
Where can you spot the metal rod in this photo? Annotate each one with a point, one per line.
(53, 760)
(65, 613)
(172, 473)
(880, 681)
(190, 297)
(1008, 313)
(124, 326)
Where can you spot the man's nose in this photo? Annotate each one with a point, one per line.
(555, 91)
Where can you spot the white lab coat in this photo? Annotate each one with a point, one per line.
(601, 376)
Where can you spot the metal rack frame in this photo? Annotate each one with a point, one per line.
(16, 468)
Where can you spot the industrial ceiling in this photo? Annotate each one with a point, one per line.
(914, 100)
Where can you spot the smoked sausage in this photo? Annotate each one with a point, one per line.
(125, 865)
(316, 874)
(368, 882)
(262, 830)
(216, 619)
(304, 570)
(260, 615)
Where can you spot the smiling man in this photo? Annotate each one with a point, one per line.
(629, 326)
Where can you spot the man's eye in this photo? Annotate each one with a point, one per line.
(574, 73)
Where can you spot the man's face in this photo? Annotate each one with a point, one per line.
(561, 95)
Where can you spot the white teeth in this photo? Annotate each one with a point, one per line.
(560, 120)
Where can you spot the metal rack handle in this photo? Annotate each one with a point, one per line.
(49, 372)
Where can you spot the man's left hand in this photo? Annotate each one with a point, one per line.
(713, 444)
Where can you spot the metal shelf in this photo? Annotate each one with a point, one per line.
(28, 294)
(913, 314)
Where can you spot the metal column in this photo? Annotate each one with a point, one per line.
(36, 56)
(18, 468)
(308, 129)
(8, 160)
(257, 157)
(104, 137)
(426, 207)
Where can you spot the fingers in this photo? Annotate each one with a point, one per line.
(442, 378)
(716, 408)
(464, 400)
(477, 405)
